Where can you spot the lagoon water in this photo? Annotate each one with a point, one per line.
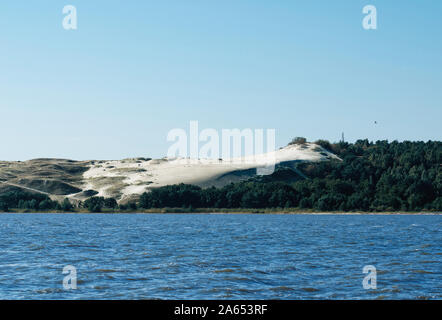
(185, 256)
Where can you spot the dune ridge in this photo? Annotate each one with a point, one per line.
(127, 179)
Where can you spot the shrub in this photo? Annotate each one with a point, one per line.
(324, 144)
(298, 140)
(96, 204)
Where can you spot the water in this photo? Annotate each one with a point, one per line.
(177, 256)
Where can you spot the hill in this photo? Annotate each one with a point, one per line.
(125, 180)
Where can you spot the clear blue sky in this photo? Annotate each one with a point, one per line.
(133, 70)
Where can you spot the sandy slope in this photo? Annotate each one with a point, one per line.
(124, 179)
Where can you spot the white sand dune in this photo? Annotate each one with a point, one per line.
(124, 179)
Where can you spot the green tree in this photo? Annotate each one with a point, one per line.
(66, 205)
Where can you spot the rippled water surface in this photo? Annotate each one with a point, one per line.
(146, 256)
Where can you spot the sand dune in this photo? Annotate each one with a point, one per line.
(123, 179)
(127, 179)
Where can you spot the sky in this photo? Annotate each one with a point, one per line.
(134, 70)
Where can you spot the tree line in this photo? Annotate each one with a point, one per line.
(31, 201)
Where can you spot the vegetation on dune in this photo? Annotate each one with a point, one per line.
(34, 202)
(26, 201)
(298, 140)
(96, 204)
